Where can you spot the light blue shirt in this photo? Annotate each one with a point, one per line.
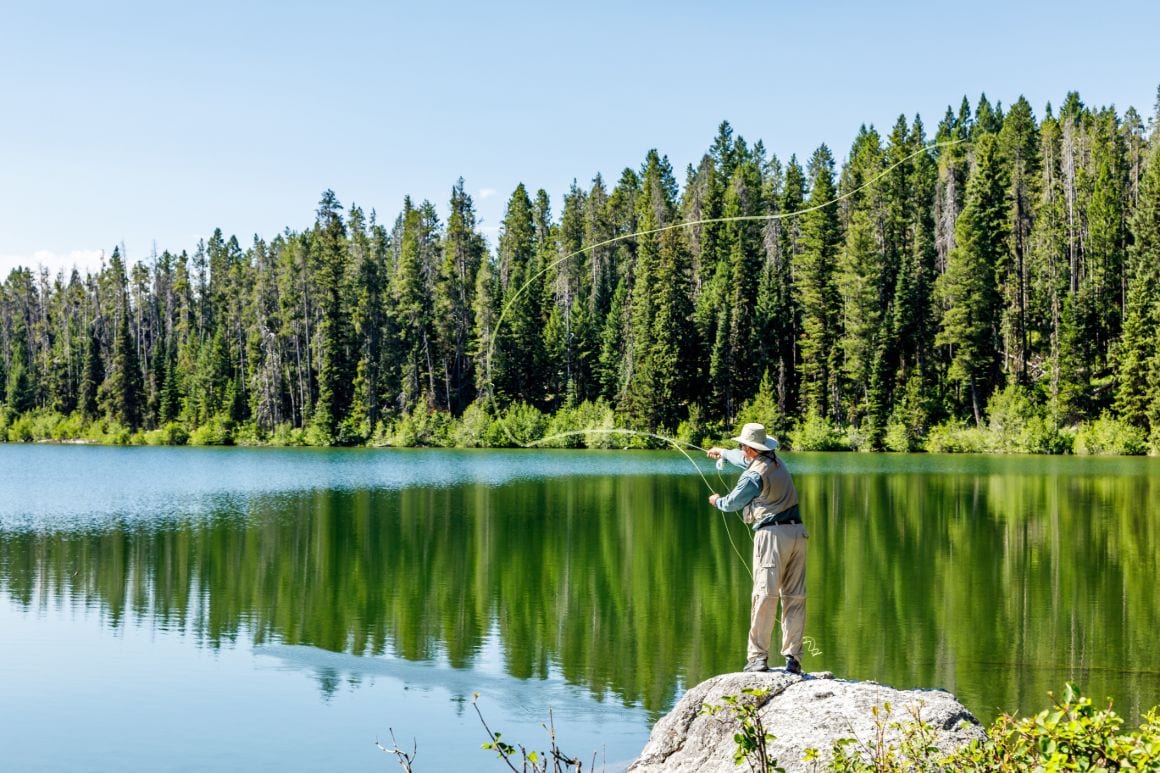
(748, 485)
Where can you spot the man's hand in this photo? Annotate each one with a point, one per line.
(714, 452)
(713, 498)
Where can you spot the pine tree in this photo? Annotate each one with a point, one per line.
(1019, 145)
(92, 376)
(518, 360)
(969, 290)
(1138, 385)
(124, 388)
(866, 277)
(329, 255)
(820, 301)
(463, 252)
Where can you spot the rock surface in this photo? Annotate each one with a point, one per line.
(802, 712)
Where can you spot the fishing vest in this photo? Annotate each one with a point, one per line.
(777, 491)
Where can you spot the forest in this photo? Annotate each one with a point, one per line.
(990, 287)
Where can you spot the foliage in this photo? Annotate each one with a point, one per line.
(897, 745)
(535, 761)
(1109, 436)
(908, 285)
(421, 427)
(752, 739)
(215, 432)
(816, 433)
(1018, 425)
(954, 436)
(1074, 735)
(172, 434)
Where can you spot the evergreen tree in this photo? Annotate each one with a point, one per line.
(92, 376)
(969, 290)
(1138, 375)
(820, 301)
(463, 252)
(329, 254)
(866, 276)
(124, 388)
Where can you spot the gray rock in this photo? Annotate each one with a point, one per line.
(802, 712)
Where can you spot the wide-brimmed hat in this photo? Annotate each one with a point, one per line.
(753, 435)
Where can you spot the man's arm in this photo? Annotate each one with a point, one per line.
(748, 487)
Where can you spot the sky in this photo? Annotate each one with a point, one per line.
(149, 124)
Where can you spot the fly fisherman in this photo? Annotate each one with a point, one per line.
(766, 493)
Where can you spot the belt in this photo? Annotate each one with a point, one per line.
(788, 517)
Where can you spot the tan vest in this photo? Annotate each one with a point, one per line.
(777, 491)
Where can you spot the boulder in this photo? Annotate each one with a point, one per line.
(802, 712)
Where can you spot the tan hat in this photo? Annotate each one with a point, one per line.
(753, 435)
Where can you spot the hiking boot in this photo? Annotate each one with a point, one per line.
(792, 666)
(755, 667)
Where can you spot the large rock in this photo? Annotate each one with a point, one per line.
(802, 712)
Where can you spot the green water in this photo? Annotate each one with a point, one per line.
(282, 609)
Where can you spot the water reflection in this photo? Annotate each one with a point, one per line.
(999, 584)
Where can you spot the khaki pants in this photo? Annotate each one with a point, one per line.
(779, 571)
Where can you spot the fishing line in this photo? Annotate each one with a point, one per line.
(675, 444)
(662, 229)
(689, 223)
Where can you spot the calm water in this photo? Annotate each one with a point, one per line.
(190, 609)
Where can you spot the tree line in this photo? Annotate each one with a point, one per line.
(1005, 257)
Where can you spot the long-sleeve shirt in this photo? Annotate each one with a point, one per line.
(748, 485)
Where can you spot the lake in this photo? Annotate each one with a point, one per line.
(284, 609)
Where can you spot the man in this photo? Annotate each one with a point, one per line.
(767, 494)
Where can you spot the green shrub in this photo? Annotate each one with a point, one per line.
(421, 427)
(899, 437)
(1019, 425)
(816, 433)
(519, 425)
(69, 427)
(762, 408)
(858, 438)
(172, 434)
(247, 434)
(1107, 436)
(473, 428)
(956, 437)
(20, 430)
(215, 432)
(1073, 735)
(286, 434)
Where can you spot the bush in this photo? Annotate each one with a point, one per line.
(520, 424)
(816, 433)
(421, 427)
(20, 430)
(898, 437)
(286, 434)
(473, 429)
(69, 427)
(955, 437)
(1109, 437)
(215, 432)
(1018, 425)
(247, 434)
(762, 408)
(858, 438)
(1073, 735)
(172, 434)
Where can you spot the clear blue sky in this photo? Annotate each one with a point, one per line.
(153, 123)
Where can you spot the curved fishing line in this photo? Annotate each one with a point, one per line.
(690, 223)
(662, 229)
(675, 444)
(618, 431)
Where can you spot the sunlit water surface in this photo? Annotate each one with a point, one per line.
(193, 609)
